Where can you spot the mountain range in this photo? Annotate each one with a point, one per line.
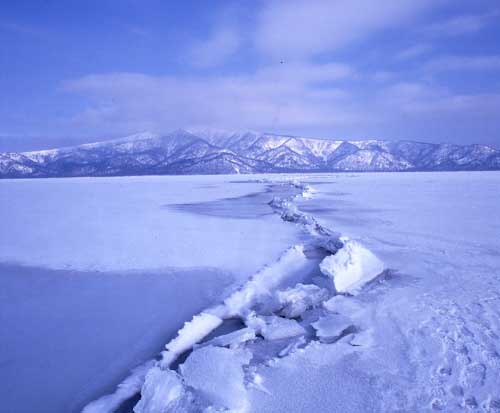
(220, 152)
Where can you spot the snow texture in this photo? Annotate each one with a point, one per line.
(330, 327)
(276, 328)
(213, 374)
(296, 300)
(163, 391)
(327, 327)
(192, 332)
(216, 375)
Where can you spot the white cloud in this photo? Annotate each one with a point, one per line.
(456, 63)
(214, 51)
(462, 24)
(123, 103)
(413, 52)
(383, 76)
(420, 100)
(281, 96)
(301, 28)
(297, 95)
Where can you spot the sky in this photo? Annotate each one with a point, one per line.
(80, 71)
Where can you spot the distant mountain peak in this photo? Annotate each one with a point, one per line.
(212, 151)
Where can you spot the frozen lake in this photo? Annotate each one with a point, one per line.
(97, 274)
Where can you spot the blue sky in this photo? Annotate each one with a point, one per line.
(74, 71)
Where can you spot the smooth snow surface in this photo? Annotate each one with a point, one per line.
(140, 223)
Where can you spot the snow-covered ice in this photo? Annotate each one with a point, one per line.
(216, 375)
(379, 292)
(140, 223)
(192, 332)
(330, 327)
(163, 391)
(276, 328)
(296, 300)
(101, 272)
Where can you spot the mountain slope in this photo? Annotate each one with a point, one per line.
(208, 152)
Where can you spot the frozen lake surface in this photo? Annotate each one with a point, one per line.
(97, 275)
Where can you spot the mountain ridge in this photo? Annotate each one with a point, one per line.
(225, 152)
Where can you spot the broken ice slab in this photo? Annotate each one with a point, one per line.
(343, 305)
(216, 375)
(274, 327)
(163, 391)
(234, 338)
(292, 346)
(330, 328)
(295, 301)
(351, 267)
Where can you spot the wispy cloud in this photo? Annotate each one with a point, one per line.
(211, 52)
(274, 96)
(456, 63)
(127, 102)
(462, 24)
(295, 65)
(300, 28)
(413, 51)
(420, 99)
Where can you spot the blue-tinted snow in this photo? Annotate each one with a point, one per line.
(424, 334)
(97, 274)
(430, 330)
(136, 223)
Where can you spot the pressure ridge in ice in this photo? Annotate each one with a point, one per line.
(281, 310)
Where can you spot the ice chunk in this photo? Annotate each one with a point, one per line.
(163, 392)
(351, 267)
(363, 339)
(331, 326)
(342, 305)
(275, 328)
(192, 332)
(294, 301)
(216, 375)
(234, 338)
(308, 192)
(262, 283)
(292, 347)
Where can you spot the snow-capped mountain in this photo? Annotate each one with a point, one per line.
(219, 152)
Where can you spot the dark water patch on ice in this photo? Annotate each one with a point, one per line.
(128, 405)
(337, 193)
(229, 325)
(249, 206)
(71, 336)
(318, 209)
